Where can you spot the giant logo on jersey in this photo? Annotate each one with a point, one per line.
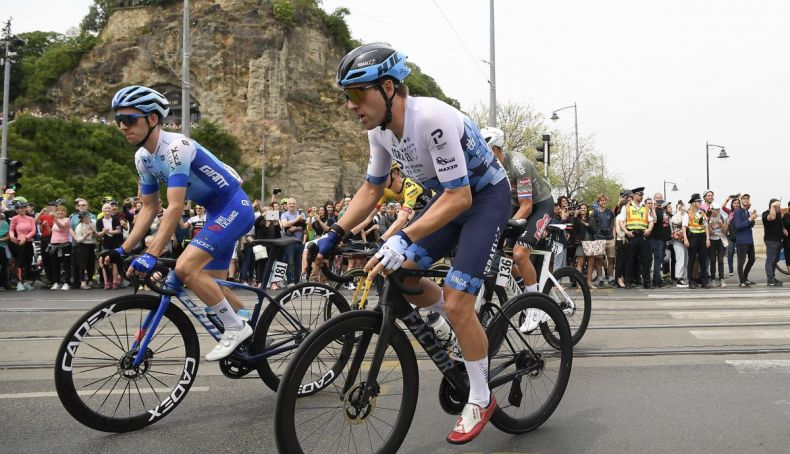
(215, 176)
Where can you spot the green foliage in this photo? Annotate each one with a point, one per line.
(283, 11)
(223, 145)
(600, 185)
(97, 16)
(421, 84)
(336, 24)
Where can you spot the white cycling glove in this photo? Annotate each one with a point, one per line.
(393, 253)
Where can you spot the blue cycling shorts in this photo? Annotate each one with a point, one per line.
(226, 222)
(476, 232)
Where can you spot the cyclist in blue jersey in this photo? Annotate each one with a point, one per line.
(439, 147)
(190, 172)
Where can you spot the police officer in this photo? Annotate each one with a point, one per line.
(637, 221)
(698, 241)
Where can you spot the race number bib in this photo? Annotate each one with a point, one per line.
(503, 276)
(557, 248)
(278, 271)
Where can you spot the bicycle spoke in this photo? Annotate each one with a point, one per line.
(96, 329)
(94, 368)
(110, 393)
(107, 378)
(121, 399)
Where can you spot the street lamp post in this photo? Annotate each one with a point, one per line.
(722, 155)
(674, 188)
(554, 117)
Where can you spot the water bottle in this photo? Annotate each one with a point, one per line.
(440, 326)
(212, 316)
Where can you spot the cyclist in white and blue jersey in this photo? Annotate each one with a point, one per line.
(190, 172)
(440, 148)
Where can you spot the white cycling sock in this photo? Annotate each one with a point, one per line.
(228, 316)
(532, 288)
(438, 307)
(479, 393)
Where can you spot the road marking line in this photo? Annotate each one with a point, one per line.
(733, 334)
(88, 393)
(743, 314)
(721, 303)
(715, 295)
(746, 366)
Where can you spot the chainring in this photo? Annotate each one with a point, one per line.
(450, 399)
(233, 369)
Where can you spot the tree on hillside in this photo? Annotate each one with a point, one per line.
(421, 84)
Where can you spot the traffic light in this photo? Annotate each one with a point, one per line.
(12, 174)
(544, 150)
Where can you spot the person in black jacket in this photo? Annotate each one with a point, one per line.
(267, 227)
(659, 237)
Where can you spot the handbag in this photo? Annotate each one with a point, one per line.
(594, 248)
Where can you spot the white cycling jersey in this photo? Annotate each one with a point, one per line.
(441, 148)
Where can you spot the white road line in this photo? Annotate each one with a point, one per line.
(738, 334)
(747, 366)
(722, 303)
(198, 389)
(739, 314)
(715, 294)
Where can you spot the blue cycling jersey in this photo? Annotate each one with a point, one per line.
(181, 162)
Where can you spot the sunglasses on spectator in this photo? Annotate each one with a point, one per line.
(357, 94)
(639, 193)
(128, 119)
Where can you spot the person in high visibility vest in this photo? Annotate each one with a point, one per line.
(636, 220)
(697, 241)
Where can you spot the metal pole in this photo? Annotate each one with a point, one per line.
(576, 128)
(186, 103)
(665, 190)
(263, 171)
(707, 166)
(6, 88)
(492, 66)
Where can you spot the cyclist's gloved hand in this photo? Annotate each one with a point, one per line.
(393, 253)
(144, 263)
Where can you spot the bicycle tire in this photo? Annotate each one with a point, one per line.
(782, 268)
(579, 313)
(551, 367)
(272, 325)
(98, 329)
(296, 415)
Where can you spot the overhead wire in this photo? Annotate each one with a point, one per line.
(458, 36)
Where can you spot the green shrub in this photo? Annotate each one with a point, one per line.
(283, 11)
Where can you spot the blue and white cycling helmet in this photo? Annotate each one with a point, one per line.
(143, 99)
(372, 63)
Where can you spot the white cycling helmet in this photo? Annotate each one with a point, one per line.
(141, 98)
(493, 136)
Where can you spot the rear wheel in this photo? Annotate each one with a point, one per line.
(527, 375)
(336, 417)
(574, 298)
(305, 307)
(94, 375)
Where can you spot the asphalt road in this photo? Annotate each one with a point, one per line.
(672, 370)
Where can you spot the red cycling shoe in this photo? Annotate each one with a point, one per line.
(471, 422)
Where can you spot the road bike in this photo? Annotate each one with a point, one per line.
(353, 384)
(565, 285)
(129, 361)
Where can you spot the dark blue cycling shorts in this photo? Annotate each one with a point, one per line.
(476, 232)
(226, 222)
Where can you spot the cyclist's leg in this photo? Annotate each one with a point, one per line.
(537, 222)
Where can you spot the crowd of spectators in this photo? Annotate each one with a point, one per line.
(685, 244)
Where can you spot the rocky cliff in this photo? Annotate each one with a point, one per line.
(270, 85)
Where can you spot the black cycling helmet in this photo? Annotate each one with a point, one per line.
(372, 63)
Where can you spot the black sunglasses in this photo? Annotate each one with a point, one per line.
(357, 94)
(128, 119)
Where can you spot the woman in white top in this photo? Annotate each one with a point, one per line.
(678, 223)
(85, 236)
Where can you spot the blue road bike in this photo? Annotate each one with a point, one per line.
(129, 361)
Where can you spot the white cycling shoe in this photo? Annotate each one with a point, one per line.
(534, 317)
(228, 342)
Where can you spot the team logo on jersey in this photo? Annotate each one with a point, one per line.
(215, 176)
(214, 228)
(542, 224)
(443, 162)
(437, 134)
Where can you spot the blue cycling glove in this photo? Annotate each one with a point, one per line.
(144, 263)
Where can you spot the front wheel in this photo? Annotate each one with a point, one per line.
(527, 375)
(335, 417)
(94, 376)
(305, 306)
(574, 298)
